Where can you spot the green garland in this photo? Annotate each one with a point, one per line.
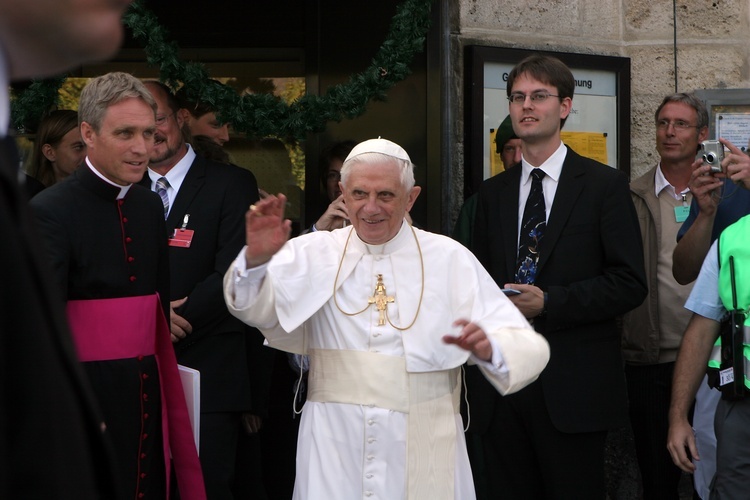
(260, 115)
(28, 107)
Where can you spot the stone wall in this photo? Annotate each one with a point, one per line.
(713, 50)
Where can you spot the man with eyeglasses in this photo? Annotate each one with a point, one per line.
(561, 230)
(652, 332)
(204, 205)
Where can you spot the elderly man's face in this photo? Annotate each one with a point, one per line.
(377, 200)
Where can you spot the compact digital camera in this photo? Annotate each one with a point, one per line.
(712, 152)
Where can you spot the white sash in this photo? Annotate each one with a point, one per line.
(430, 399)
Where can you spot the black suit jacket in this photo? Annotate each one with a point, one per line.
(51, 441)
(591, 265)
(216, 197)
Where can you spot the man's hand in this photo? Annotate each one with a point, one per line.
(334, 217)
(266, 230)
(736, 165)
(179, 326)
(471, 338)
(690, 366)
(530, 301)
(706, 187)
(679, 440)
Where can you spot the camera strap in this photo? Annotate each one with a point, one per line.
(732, 374)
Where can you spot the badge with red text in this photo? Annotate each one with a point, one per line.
(181, 238)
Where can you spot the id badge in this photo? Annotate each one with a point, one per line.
(681, 213)
(726, 376)
(181, 238)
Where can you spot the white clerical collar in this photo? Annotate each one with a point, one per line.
(123, 189)
(176, 174)
(403, 237)
(661, 183)
(4, 97)
(552, 166)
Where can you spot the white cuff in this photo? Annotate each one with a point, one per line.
(246, 281)
(496, 364)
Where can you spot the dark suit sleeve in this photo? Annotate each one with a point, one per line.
(205, 305)
(617, 283)
(483, 237)
(55, 240)
(162, 280)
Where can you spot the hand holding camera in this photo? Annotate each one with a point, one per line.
(712, 154)
(714, 161)
(736, 165)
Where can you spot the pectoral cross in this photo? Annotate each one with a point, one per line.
(380, 299)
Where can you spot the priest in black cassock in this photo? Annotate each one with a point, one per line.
(107, 243)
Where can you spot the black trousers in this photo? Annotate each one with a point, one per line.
(649, 393)
(527, 458)
(218, 452)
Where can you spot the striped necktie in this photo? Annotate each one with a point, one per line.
(162, 184)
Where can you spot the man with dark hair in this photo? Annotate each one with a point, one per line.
(204, 203)
(105, 240)
(653, 331)
(199, 118)
(331, 159)
(562, 231)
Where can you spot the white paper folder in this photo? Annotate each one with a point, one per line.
(191, 386)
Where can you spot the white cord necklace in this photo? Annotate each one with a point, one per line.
(380, 298)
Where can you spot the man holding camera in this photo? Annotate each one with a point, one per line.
(719, 200)
(653, 331)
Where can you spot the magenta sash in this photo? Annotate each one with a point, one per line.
(128, 327)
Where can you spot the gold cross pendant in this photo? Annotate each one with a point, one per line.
(380, 299)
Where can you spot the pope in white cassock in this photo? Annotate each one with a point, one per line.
(388, 314)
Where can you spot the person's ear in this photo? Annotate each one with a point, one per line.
(702, 134)
(87, 134)
(566, 106)
(49, 152)
(413, 194)
(183, 116)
